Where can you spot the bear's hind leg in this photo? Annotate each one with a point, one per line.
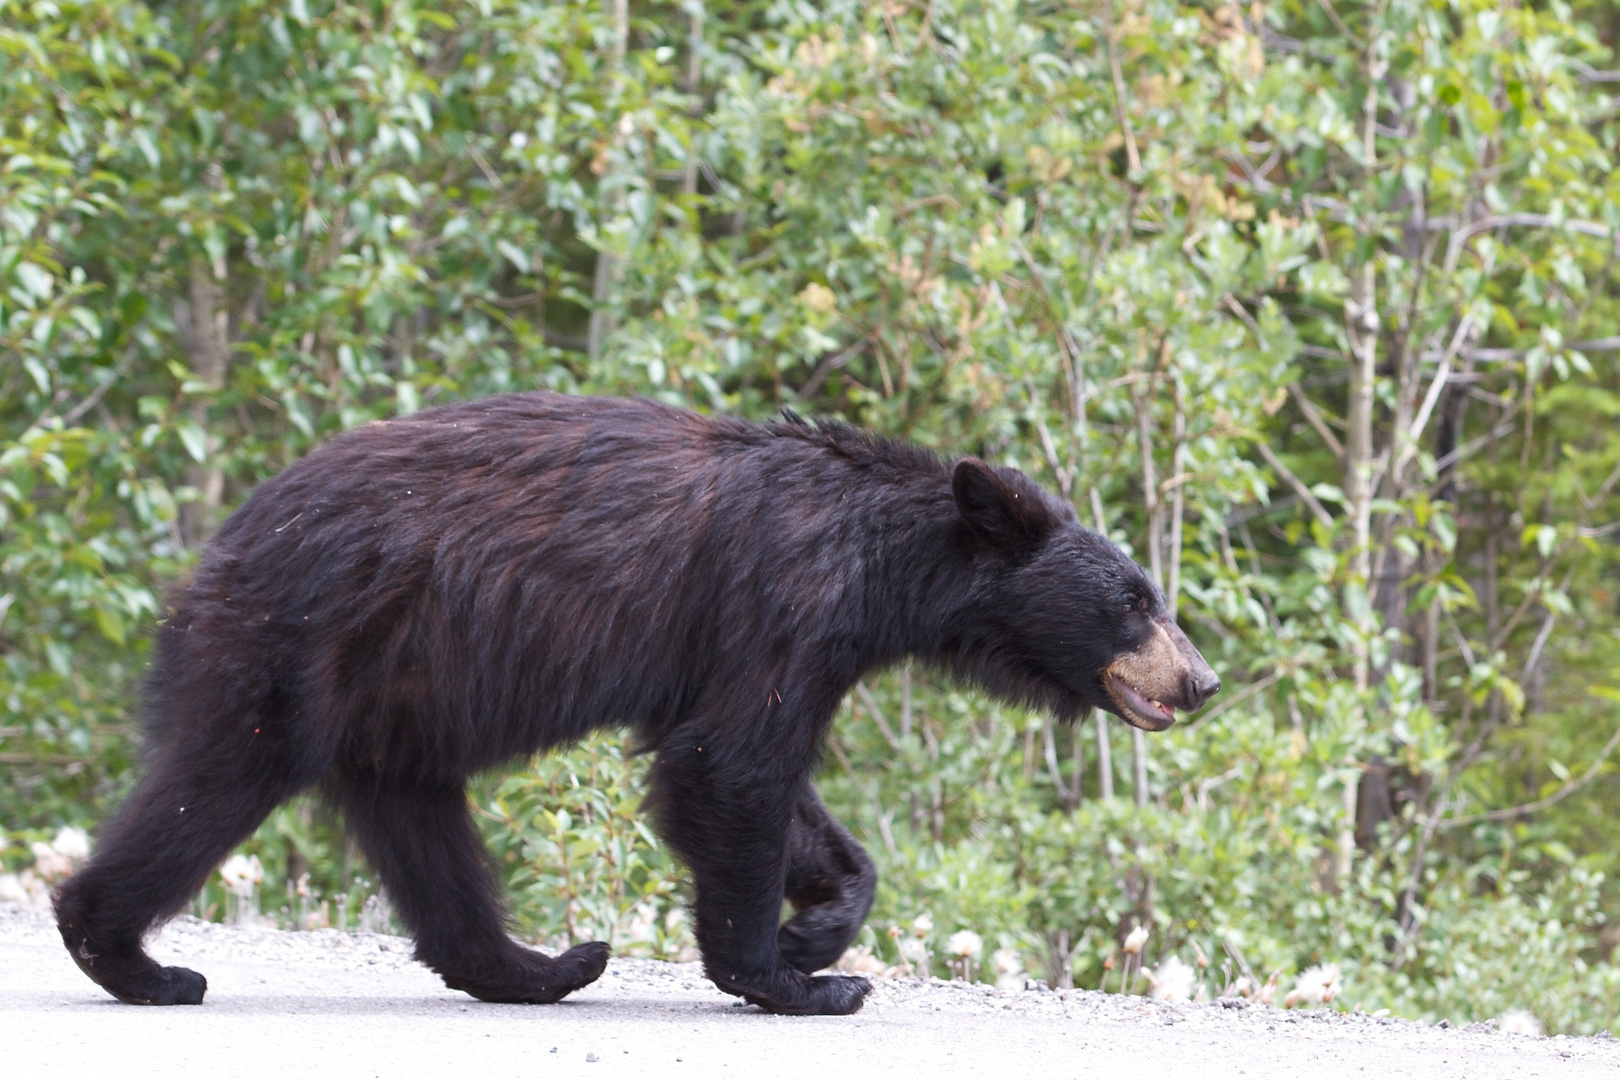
(421, 841)
(154, 855)
(830, 883)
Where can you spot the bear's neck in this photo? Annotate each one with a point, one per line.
(918, 587)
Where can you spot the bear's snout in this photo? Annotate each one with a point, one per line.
(1164, 674)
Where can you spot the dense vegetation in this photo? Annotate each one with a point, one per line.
(1310, 304)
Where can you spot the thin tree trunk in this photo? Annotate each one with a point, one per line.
(1077, 755)
(205, 326)
(607, 266)
(1150, 484)
(1139, 754)
(1178, 503)
(1358, 454)
(1170, 562)
(1362, 325)
(1105, 758)
(1068, 798)
(694, 77)
(1142, 400)
(905, 702)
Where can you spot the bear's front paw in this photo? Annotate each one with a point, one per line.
(789, 993)
(179, 986)
(586, 961)
(159, 986)
(133, 977)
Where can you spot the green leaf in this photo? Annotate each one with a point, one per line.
(111, 624)
(514, 255)
(193, 438)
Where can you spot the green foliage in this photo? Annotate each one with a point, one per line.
(1309, 305)
(579, 861)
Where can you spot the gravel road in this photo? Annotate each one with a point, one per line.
(327, 1003)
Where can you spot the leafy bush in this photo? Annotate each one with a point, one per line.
(1310, 306)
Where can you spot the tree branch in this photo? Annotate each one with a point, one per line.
(1318, 422)
(1590, 74)
(1066, 797)
(1317, 509)
(877, 716)
(1461, 236)
(1603, 344)
(1133, 160)
(1237, 698)
(1569, 788)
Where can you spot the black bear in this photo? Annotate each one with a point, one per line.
(431, 596)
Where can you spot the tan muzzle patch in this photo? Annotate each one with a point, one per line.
(1164, 675)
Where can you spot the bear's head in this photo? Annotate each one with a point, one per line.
(1062, 617)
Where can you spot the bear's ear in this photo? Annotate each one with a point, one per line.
(1000, 505)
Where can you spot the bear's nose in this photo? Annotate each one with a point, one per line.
(1205, 685)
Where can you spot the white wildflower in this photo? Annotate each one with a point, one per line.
(73, 844)
(1009, 969)
(913, 951)
(11, 890)
(965, 945)
(1006, 962)
(923, 925)
(241, 874)
(819, 299)
(1317, 985)
(858, 960)
(641, 924)
(1135, 940)
(1519, 1022)
(375, 915)
(50, 864)
(26, 889)
(1172, 980)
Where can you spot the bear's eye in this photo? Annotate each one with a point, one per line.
(1133, 604)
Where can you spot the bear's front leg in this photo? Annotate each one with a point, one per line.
(727, 814)
(830, 883)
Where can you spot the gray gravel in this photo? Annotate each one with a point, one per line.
(328, 1003)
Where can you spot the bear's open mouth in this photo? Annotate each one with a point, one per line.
(1137, 708)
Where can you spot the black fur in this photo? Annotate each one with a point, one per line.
(429, 597)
